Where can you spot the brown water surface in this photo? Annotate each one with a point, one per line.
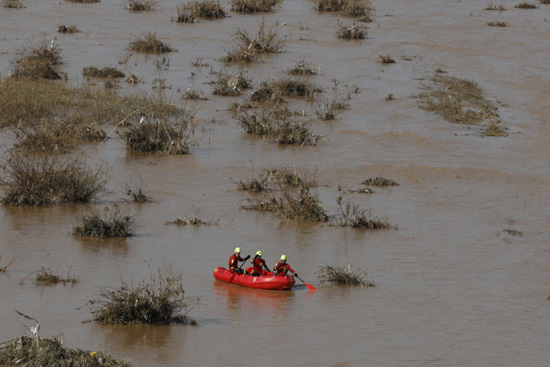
(454, 287)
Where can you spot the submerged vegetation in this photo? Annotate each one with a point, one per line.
(150, 43)
(247, 48)
(343, 275)
(104, 72)
(157, 301)
(141, 5)
(113, 224)
(47, 276)
(525, 5)
(39, 61)
(230, 85)
(14, 4)
(38, 352)
(5, 267)
(68, 29)
(354, 31)
(252, 6)
(352, 215)
(379, 181)
(207, 9)
(46, 181)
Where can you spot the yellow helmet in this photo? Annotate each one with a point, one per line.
(237, 249)
(283, 257)
(259, 253)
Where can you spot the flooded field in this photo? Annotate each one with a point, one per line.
(463, 279)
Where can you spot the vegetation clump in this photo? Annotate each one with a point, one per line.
(208, 9)
(386, 59)
(67, 29)
(48, 277)
(252, 6)
(544, 1)
(351, 215)
(302, 68)
(272, 91)
(353, 8)
(326, 109)
(38, 62)
(104, 72)
(46, 181)
(158, 301)
(84, 1)
(137, 193)
(279, 124)
(496, 130)
(491, 6)
(113, 224)
(379, 181)
(194, 95)
(230, 85)
(14, 4)
(5, 267)
(150, 43)
(353, 31)
(140, 5)
(498, 23)
(247, 47)
(38, 352)
(343, 275)
(526, 5)
(458, 100)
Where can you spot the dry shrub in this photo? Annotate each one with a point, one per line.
(137, 193)
(46, 181)
(526, 5)
(353, 31)
(5, 267)
(104, 72)
(149, 43)
(354, 8)
(112, 224)
(226, 84)
(292, 201)
(386, 59)
(14, 4)
(271, 179)
(279, 124)
(208, 9)
(496, 130)
(39, 61)
(343, 275)
(141, 5)
(47, 276)
(302, 68)
(195, 220)
(351, 215)
(458, 100)
(84, 1)
(544, 2)
(247, 48)
(491, 6)
(163, 133)
(158, 301)
(39, 352)
(194, 95)
(271, 91)
(326, 109)
(252, 6)
(70, 29)
(498, 23)
(379, 181)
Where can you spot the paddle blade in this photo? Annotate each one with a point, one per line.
(310, 287)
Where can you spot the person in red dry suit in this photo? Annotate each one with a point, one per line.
(258, 263)
(234, 261)
(282, 268)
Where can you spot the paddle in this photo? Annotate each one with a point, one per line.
(240, 267)
(309, 286)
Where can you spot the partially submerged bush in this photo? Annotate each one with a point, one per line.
(379, 181)
(5, 267)
(279, 124)
(39, 352)
(230, 85)
(247, 48)
(194, 95)
(207, 9)
(149, 43)
(496, 130)
(354, 8)
(498, 23)
(526, 5)
(273, 178)
(286, 87)
(137, 193)
(141, 5)
(326, 109)
(113, 224)
(196, 220)
(491, 6)
(46, 181)
(104, 72)
(351, 215)
(70, 29)
(343, 275)
(14, 4)
(38, 61)
(386, 59)
(158, 301)
(252, 6)
(49, 277)
(302, 68)
(84, 1)
(353, 31)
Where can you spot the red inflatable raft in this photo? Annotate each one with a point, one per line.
(266, 281)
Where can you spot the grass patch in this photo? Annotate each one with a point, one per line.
(526, 5)
(47, 181)
(272, 179)
(150, 43)
(47, 276)
(351, 215)
(302, 68)
(386, 59)
(379, 181)
(140, 5)
(353, 31)
(13, 4)
(272, 91)
(207, 9)
(327, 109)
(498, 23)
(137, 193)
(68, 29)
(279, 124)
(458, 100)
(84, 1)
(157, 301)
(247, 48)
(194, 95)
(39, 61)
(496, 130)
(112, 224)
(491, 6)
(291, 201)
(252, 6)
(229, 85)
(34, 352)
(104, 72)
(195, 220)
(343, 275)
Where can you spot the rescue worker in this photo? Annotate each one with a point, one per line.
(258, 263)
(234, 261)
(282, 268)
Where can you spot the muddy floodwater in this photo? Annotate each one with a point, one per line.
(463, 281)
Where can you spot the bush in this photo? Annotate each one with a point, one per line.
(46, 181)
(159, 301)
(69, 29)
(379, 181)
(114, 224)
(49, 277)
(353, 31)
(230, 85)
(351, 215)
(526, 5)
(302, 68)
(208, 9)
(252, 6)
(38, 61)
(344, 275)
(149, 43)
(141, 5)
(246, 48)
(104, 72)
(355, 8)
(14, 4)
